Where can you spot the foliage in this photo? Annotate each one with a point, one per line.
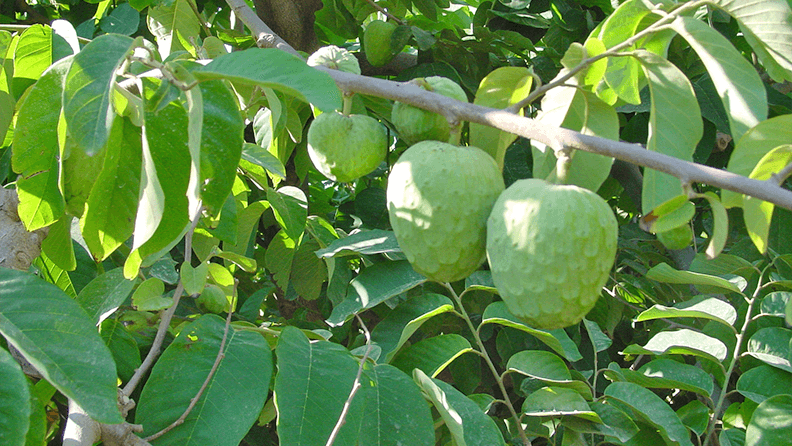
(167, 156)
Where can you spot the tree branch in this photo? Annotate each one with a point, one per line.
(554, 137)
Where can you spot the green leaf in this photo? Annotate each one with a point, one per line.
(704, 307)
(148, 296)
(737, 82)
(732, 437)
(15, 404)
(432, 355)
(375, 241)
(775, 304)
(103, 295)
(667, 374)
(469, 426)
(260, 156)
(771, 346)
(375, 285)
(720, 226)
(123, 346)
(766, 27)
(279, 256)
(758, 213)
(38, 47)
(666, 274)
(110, 211)
(88, 92)
(396, 328)
(763, 382)
(653, 410)
(695, 415)
(193, 279)
(501, 88)
(291, 209)
(675, 125)
(548, 368)
(615, 423)
(312, 384)
(36, 150)
(122, 20)
(278, 70)
(57, 337)
(752, 147)
(308, 271)
(58, 245)
(231, 402)
(171, 23)
(599, 339)
(558, 340)
(398, 413)
(682, 342)
(556, 402)
(771, 423)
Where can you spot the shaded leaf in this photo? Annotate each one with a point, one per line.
(771, 346)
(432, 355)
(667, 274)
(104, 294)
(375, 241)
(556, 402)
(704, 307)
(771, 423)
(15, 404)
(764, 382)
(653, 410)
(682, 341)
(291, 209)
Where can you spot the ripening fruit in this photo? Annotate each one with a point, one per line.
(550, 249)
(212, 299)
(345, 148)
(677, 238)
(439, 197)
(377, 42)
(415, 124)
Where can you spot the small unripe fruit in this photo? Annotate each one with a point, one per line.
(345, 148)
(336, 58)
(439, 196)
(677, 238)
(550, 249)
(213, 300)
(415, 124)
(377, 42)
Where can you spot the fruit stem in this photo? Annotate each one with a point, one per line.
(490, 364)
(562, 165)
(347, 110)
(455, 136)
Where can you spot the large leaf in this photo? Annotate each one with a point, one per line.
(469, 426)
(312, 384)
(15, 403)
(291, 209)
(766, 27)
(737, 82)
(763, 382)
(102, 296)
(556, 402)
(771, 423)
(682, 341)
(110, 211)
(375, 241)
(88, 91)
(432, 355)
(172, 23)
(758, 213)
(653, 410)
(375, 285)
(57, 337)
(231, 402)
(665, 374)
(36, 150)
(501, 88)
(675, 125)
(704, 307)
(547, 368)
(397, 327)
(275, 69)
(771, 346)
(667, 274)
(38, 48)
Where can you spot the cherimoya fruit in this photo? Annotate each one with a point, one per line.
(550, 249)
(439, 196)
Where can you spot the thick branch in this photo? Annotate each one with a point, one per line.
(554, 137)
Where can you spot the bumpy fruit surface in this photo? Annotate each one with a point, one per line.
(377, 42)
(336, 58)
(550, 249)
(415, 124)
(345, 148)
(677, 238)
(439, 197)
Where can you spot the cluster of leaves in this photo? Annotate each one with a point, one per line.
(194, 178)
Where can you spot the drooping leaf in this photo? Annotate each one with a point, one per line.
(665, 374)
(279, 257)
(375, 241)
(758, 213)
(171, 23)
(230, 403)
(763, 382)
(38, 47)
(704, 307)
(373, 286)
(653, 410)
(771, 346)
(667, 274)
(771, 423)
(15, 404)
(397, 327)
(615, 423)
(720, 226)
(682, 341)
(87, 105)
(123, 346)
(259, 156)
(598, 338)
(548, 368)
(57, 337)
(291, 209)
(432, 355)
(557, 402)
(275, 69)
(308, 271)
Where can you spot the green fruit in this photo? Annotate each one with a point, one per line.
(213, 300)
(439, 196)
(336, 58)
(550, 249)
(677, 238)
(377, 42)
(415, 124)
(345, 148)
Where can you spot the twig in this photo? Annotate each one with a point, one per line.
(782, 175)
(490, 364)
(215, 366)
(265, 37)
(546, 134)
(166, 317)
(355, 385)
(387, 14)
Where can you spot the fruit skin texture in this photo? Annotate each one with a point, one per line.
(439, 196)
(377, 42)
(345, 148)
(415, 124)
(677, 238)
(550, 249)
(336, 58)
